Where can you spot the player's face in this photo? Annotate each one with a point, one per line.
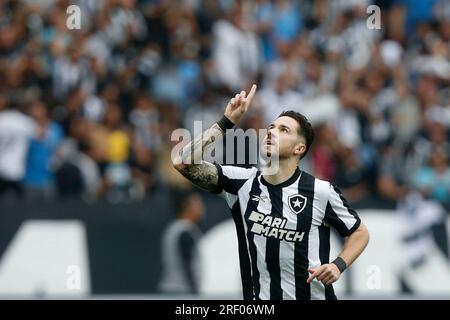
(282, 139)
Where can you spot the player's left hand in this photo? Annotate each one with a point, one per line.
(326, 273)
(239, 105)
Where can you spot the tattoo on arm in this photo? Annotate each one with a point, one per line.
(193, 152)
(191, 165)
(203, 175)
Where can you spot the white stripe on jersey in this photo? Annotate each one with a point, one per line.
(318, 212)
(244, 197)
(242, 173)
(287, 248)
(264, 206)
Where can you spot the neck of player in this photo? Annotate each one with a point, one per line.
(286, 168)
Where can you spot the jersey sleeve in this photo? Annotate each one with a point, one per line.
(339, 214)
(232, 178)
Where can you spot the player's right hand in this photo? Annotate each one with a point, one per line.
(326, 273)
(239, 105)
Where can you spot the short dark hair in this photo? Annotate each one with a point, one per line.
(181, 200)
(305, 128)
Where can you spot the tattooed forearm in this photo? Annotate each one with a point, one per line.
(202, 175)
(192, 153)
(190, 160)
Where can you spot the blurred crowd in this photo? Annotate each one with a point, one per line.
(90, 112)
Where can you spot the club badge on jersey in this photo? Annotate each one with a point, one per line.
(297, 203)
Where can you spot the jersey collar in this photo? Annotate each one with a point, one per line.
(286, 183)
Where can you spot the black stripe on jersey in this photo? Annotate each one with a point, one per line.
(301, 262)
(332, 219)
(273, 245)
(244, 258)
(350, 210)
(344, 201)
(324, 255)
(251, 206)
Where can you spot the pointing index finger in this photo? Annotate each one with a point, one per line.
(251, 93)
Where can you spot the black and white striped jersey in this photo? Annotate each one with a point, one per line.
(283, 230)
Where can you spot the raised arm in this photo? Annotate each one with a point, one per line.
(189, 161)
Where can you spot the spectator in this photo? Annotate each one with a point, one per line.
(281, 96)
(76, 170)
(117, 178)
(433, 180)
(16, 132)
(39, 174)
(70, 71)
(279, 24)
(145, 120)
(235, 53)
(181, 261)
(323, 154)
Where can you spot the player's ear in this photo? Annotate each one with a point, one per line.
(300, 149)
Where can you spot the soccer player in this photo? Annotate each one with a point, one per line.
(282, 219)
